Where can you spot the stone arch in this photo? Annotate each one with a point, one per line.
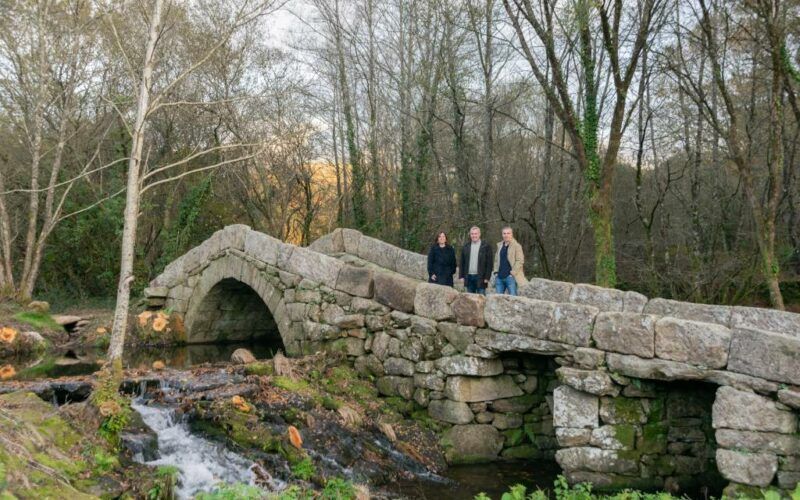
(233, 301)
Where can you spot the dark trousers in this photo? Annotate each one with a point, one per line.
(475, 284)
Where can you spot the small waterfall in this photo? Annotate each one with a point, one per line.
(202, 463)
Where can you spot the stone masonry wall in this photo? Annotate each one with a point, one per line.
(485, 367)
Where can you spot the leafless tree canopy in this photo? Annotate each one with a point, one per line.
(646, 144)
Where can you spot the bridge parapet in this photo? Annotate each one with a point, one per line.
(596, 373)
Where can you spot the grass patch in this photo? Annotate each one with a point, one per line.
(40, 321)
(304, 469)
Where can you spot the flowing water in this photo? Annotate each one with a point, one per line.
(202, 464)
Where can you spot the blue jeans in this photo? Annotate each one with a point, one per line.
(474, 284)
(507, 283)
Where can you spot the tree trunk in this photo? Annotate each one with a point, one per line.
(117, 343)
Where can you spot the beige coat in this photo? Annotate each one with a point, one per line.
(515, 258)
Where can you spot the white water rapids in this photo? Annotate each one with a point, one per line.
(203, 465)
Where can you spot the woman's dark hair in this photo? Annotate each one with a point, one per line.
(436, 238)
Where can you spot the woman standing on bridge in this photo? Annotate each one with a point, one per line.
(441, 261)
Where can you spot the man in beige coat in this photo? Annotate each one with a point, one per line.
(508, 264)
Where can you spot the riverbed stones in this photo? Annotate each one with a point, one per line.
(472, 443)
(768, 355)
(735, 409)
(474, 389)
(519, 315)
(454, 412)
(468, 309)
(433, 301)
(242, 356)
(754, 469)
(626, 333)
(702, 344)
(395, 290)
(573, 408)
(467, 365)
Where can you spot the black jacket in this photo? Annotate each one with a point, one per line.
(485, 261)
(442, 263)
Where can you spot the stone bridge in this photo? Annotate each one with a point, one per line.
(620, 389)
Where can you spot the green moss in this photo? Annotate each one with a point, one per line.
(626, 435)
(514, 437)
(289, 384)
(627, 410)
(657, 410)
(653, 439)
(522, 452)
(38, 320)
(259, 368)
(330, 403)
(399, 405)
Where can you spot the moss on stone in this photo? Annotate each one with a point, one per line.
(522, 452)
(260, 368)
(627, 410)
(656, 411)
(653, 439)
(626, 435)
(514, 437)
(289, 384)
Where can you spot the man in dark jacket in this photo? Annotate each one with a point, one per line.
(477, 260)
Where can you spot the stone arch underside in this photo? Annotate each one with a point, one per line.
(231, 311)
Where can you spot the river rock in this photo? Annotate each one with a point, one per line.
(768, 355)
(474, 443)
(433, 301)
(626, 333)
(395, 291)
(39, 306)
(735, 409)
(474, 389)
(242, 357)
(702, 344)
(466, 365)
(755, 469)
(468, 309)
(573, 408)
(591, 381)
(453, 412)
(519, 315)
